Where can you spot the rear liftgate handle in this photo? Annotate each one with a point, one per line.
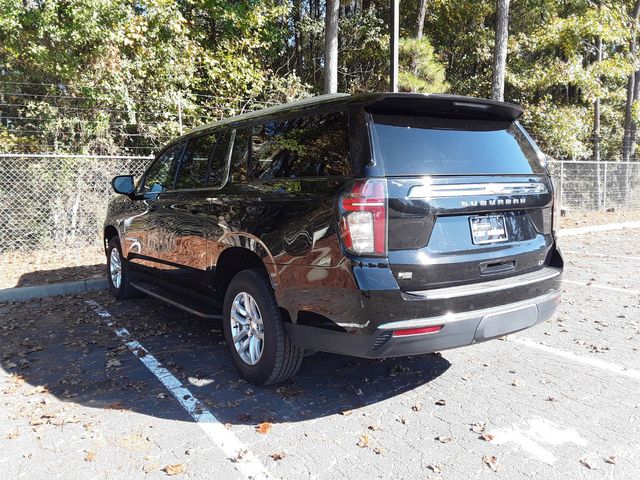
(490, 268)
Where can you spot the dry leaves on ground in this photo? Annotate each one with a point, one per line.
(263, 428)
(491, 461)
(175, 469)
(90, 457)
(363, 441)
(278, 455)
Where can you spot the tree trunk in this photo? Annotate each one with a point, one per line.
(297, 15)
(596, 129)
(500, 50)
(331, 47)
(422, 13)
(628, 135)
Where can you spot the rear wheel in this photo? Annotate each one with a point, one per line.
(118, 272)
(254, 331)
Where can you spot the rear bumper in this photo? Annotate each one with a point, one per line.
(458, 330)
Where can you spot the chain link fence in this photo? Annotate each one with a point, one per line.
(59, 201)
(597, 186)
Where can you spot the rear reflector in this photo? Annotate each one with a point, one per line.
(417, 331)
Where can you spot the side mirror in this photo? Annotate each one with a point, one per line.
(123, 184)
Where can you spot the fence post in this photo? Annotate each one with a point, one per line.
(604, 196)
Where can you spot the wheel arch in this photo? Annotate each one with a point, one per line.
(237, 257)
(109, 232)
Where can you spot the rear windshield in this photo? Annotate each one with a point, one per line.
(409, 145)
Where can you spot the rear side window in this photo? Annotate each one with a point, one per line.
(313, 146)
(409, 145)
(195, 162)
(161, 173)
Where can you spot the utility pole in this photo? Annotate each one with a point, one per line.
(395, 38)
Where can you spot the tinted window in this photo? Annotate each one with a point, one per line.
(162, 172)
(219, 160)
(314, 146)
(195, 162)
(427, 145)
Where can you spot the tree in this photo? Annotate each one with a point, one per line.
(500, 50)
(422, 12)
(420, 68)
(331, 46)
(633, 91)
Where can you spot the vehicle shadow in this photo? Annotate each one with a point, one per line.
(66, 274)
(61, 343)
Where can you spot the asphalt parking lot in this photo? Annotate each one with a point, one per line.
(95, 388)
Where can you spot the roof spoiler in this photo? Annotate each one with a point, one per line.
(443, 105)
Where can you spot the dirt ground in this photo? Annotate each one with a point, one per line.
(41, 267)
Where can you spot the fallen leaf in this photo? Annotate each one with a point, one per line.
(89, 457)
(588, 463)
(175, 469)
(487, 437)
(435, 467)
(491, 461)
(346, 413)
(516, 383)
(417, 407)
(149, 467)
(240, 455)
(444, 439)
(611, 460)
(374, 427)
(278, 456)
(363, 441)
(478, 427)
(114, 406)
(263, 428)
(378, 450)
(441, 402)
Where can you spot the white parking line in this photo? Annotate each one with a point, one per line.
(628, 291)
(601, 255)
(225, 440)
(592, 362)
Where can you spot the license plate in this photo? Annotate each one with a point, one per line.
(488, 229)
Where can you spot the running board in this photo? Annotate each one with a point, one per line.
(188, 304)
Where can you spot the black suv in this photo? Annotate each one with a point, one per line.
(375, 225)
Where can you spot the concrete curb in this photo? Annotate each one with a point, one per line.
(21, 294)
(598, 228)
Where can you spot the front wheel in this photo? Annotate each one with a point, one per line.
(254, 331)
(118, 272)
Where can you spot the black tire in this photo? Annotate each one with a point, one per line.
(125, 290)
(280, 358)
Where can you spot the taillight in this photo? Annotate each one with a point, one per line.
(363, 217)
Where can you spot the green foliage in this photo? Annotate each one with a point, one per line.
(420, 69)
(116, 76)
